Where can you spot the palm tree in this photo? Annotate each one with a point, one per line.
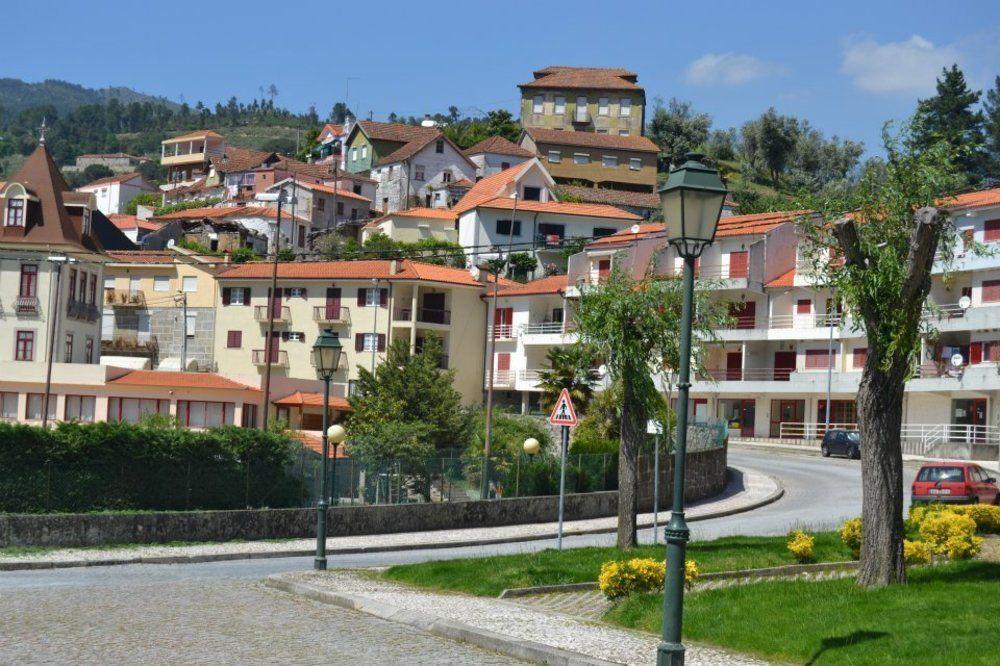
(570, 368)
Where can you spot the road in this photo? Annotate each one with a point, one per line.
(219, 612)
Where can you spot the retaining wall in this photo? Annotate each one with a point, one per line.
(705, 476)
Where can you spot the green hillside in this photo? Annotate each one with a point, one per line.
(17, 95)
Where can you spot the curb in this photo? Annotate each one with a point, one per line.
(255, 555)
(517, 648)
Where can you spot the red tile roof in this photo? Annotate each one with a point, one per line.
(328, 189)
(783, 280)
(647, 200)
(490, 187)
(593, 78)
(132, 222)
(236, 159)
(498, 145)
(406, 270)
(208, 134)
(398, 132)
(142, 256)
(192, 380)
(300, 399)
(980, 199)
(461, 182)
(555, 284)
(222, 212)
(558, 207)
(756, 224)
(626, 235)
(423, 213)
(639, 144)
(333, 128)
(117, 178)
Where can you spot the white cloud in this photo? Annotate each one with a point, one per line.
(911, 66)
(729, 69)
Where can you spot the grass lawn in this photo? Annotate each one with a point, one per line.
(945, 614)
(488, 576)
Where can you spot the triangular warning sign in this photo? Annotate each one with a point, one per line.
(563, 413)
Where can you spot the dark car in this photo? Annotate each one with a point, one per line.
(840, 442)
(959, 482)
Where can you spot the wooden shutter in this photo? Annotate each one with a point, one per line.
(383, 297)
(860, 356)
(803, 306)
(991, 291)
(975, 353)
(361, 296)
(992, 231)
(503, 361)
(734, 366)
(246, 296)
(332, 303)
(817, 359)
(738, 264)
(381, 341)
(991, 351)
(234, 339)
(226, 295)
(603, 269)
(359, 342)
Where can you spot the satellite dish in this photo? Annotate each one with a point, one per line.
(603, 370)
(965, 302)
(170, 243)
(635, 228)
(957, 360)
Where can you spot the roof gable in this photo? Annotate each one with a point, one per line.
(497, 145)
(497, 184)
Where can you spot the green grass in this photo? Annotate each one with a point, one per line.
(488, 576)
(18, 551)
(945, 614)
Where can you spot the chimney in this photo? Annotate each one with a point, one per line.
(393, 266)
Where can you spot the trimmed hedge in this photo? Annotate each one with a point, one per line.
(117, 466)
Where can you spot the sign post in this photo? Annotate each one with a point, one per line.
(563, 415)
(654, 428)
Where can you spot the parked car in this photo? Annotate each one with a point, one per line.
(837, 441)
(955, 482)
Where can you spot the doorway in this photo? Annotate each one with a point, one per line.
(971, 413)
(786, 411)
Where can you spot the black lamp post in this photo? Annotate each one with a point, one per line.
(326, 358)
(692, 200)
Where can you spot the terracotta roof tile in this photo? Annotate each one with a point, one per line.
(626, 235)
(223, 212)
(398, 132)
(300, 399)
(236, 159)
(460, 183)
(646, 200)
(117, 178)
(208, 134)
(756, 224)
(194, 380)
(980, 199)
(639, 144)
(132, 222)
(589, 210)
(498, 145)
(407, 270)
(142, 256)
(304, 168)
(595, 78)
(554, 284)
(490, 187)
(783, 280)
(421, 213)
(328, 189)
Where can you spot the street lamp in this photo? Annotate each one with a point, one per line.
(692, 200)
(326, 357)
(336, 434)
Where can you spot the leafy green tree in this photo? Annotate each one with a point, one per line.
(151, 199)
(777, 137)
(991, 125)
(600, 428)
(286, 254)
(677, 128)
(568, 368)
(950, 116)
(634, 325)
(500, 122)
(241, 255)
(521, 264)
(403, 447)
(410, 388)
(887, 232)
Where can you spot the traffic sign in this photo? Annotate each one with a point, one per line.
(563, 413)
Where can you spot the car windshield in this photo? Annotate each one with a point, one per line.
(942, 474)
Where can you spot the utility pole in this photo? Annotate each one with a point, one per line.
(58, 261)
(269, 341)
(829, 364)
(378, 304)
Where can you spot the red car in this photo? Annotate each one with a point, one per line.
(955, 482)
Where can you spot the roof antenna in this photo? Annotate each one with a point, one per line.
(41, 131)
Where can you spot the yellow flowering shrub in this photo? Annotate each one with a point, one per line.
(938, 528)
(986, 516)
(916, 552)
(850, 534)
(962, 546)
(800, 545)
(618, 580)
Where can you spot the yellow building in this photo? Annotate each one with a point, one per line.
(369, 304)
(414, 224)
(187, 157)
(595, 160)
(584, 99)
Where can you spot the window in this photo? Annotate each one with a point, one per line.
(340, 208)
(107, 325)
(354, 213)
(602, 131)
(859, 356)
(93, 288)
(418, 172)
(803, 306)
(818, 359)
(295, 336)
(15, 213)
(86, 221)
(538, 104)
(202, 414)
(446, 177)
(79, 408)
(249, 416)
(503, 228)
(68, 351)
(33, 411)
(301, 240)
(625, 107)
(109, 283)
(189, 283)
(552, 233)
(364, 151)
(134, 284)
(622, 132)
(88, 350)
(320, 204)
(131, 410)
(991, 291)
(72, 284)
(8, 406)
(297, 292)
(371, 342)
(356, 189)
(609, 161)
(372, 297)
(555, 157)
(532, 193)
(161, 283)
(354, 153)
(234, 339)
(237, 296)
(24, 346)
(601, 232)
(581, 158)
(634, 164)
(29, 281)
(439, 146)
(991, 231)
(602, 106)
(191, 324)
(560, 106)
(581, 109)
(504, 166)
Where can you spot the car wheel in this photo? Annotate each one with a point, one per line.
(856, 453)
(825, 450)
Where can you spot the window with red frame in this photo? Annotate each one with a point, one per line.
(991, 351)
(803, 306)
(234, 339)
(203, 414)
(818, 359)
(991, 231)
(991, 291)
(24, 347)
(859, 357)
(29, 281)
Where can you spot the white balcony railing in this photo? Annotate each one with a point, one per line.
(544, 328)
(504, 332)
(325, 314)
(803, 430)
(282, 314)
(501, 379)
(278, 357)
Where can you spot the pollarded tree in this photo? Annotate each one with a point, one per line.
(634, 325)
(885, 239)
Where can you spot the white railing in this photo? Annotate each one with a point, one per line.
(501, 378)
(937, 311)
(805, 430)
(949, 440)
(713, 271)
(503, 331)
(544, 328)
(747, 374)
(528, 376)
(810, 320)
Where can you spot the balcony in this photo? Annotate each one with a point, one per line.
(124, 298)
(528, 377)
(331, 315)
(503, 379)
(424, 315)
(82, 311)
(504, 332)
(746, 374)
(26, 305)
(278, 358)
(282, 314)
(546, 333)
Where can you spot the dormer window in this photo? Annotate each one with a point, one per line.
(86, 221)
(15, 213)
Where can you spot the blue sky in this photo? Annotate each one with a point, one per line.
(847, 66)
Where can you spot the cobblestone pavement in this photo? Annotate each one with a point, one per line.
(230, 622)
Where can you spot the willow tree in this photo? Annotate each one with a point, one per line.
(633, 326)
(876, 249)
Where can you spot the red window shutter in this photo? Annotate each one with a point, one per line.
(603, 269)
(738, 264)
(503, 362)
(361, 296)
(332, 302)
(226, 294)
(992, 231)
(803, 306)
(975, 353)
(817, 359)
(383, 297)
(234, 339)
(246, 295)
(359, 342)
(991, 291)
(860, 357)
(991, 351)
(381, 341)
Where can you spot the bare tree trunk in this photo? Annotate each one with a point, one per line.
(633, 426)
(880, 415)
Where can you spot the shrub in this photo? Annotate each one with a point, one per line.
(618, 580)
(941, 527)
(800, 545)
(962, 546)
(987, 517)
(916, 552)
(850, 534)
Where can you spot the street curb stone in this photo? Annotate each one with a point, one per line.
(442, 627)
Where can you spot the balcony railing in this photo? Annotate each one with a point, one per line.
(331, 315)
(502, 379)
(124, 298)
(746, 374)
(279, 357)
(26, 305)
(504, 332)
(282, 314)
(713, 271)
(424, 315)
(544, 328)
(528, 376)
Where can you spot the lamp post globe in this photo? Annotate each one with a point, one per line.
(326, 354)
(692, 200)
(336, 433)
(531, 446)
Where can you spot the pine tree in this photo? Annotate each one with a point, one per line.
(991, 110)
(950, 116)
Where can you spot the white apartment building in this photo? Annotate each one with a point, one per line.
(113, 194)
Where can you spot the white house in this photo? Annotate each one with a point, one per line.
(413, 173)
(494, 154)
(114, 193)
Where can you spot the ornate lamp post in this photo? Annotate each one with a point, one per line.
(337, 435)
(692, 200)
(326, 358)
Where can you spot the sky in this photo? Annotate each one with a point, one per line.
(847, 66)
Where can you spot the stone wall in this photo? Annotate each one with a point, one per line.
(165, 327)
(706, 476)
